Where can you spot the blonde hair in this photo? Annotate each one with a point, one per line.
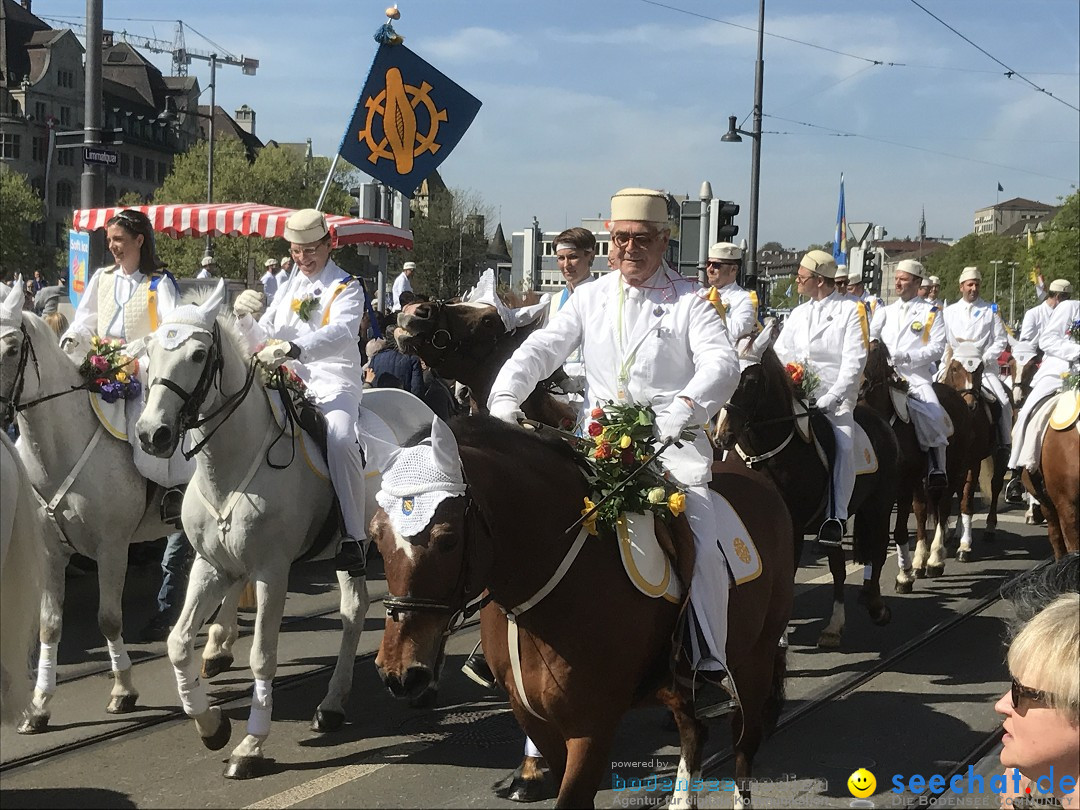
(1045, 654)
(56, 321)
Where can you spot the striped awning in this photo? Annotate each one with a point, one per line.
(245, 219)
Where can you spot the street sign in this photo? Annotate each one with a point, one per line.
(106, 157)
(860, 230)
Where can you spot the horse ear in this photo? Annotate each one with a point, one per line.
(15, 296)
(445, 449)
(212, 305)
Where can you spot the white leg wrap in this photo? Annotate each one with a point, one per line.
(118, 655)
(192, 692)
(965, 538)
(903, 556)
(530, 749)
(46, 672)
(262, 704)
(868, 573)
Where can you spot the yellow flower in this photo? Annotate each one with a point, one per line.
(590, 522)
(657, 495)
(677, 503)
(624, 442)
(296, 302)
(121, 376)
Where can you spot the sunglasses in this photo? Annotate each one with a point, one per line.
(642, 241)
(722, 265)
(1021, 692)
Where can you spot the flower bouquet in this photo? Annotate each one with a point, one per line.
(804, 379)
(1071, 378)
(110, 372)
(622, 441)
(282, 378)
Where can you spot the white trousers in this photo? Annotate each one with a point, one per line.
(343, 459)
(992, 382)
(1041, 388)
(843, 472)
(709, 586)
(927, 415)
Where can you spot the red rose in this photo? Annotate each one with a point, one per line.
(597, 413)
(627, 457)
(603, 450)
(595, 428)
(797, 377)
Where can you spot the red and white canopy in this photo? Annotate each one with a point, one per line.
(245, 219)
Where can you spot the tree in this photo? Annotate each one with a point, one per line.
(21, 207)
(277, 176)
(1056, 252)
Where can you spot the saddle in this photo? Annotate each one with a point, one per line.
(1066, 411)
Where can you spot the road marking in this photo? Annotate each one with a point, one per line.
(827, 576)
(335, 779)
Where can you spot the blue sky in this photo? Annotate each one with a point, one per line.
(582, 98)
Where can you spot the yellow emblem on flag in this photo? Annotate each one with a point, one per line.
(395, 105)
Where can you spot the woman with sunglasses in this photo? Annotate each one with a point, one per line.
(1041, 745)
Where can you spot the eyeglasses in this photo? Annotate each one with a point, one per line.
(642, 241)
(802, 278)
(307, 252)
(1019, 692)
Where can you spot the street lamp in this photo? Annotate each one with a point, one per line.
(732, 136)
(995, 263)
(1012, 290)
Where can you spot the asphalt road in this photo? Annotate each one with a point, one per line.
(923, 705)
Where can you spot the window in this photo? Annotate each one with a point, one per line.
(125, 164)
(40, 112)
(149, 170)
(136, 167)
(65, 116)
(162, 172)
(9, 145)
(65, 157)
(61, 234)
(37, 232)
(64, 194)
(38, 148)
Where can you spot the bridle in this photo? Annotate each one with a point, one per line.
(10, 403)
(750, 424)
(444, 342)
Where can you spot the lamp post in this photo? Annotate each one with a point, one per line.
(995, 263)
(732, 136)
(703, 240)
(1012, 290)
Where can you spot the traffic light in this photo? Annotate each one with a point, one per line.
(870, 270)
(726, 212)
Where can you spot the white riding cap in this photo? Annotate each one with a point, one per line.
(820, 263)
(970, 274)
(912, 268)
(725, 252)
(639, 205)
(306, 226)
(1060, 285)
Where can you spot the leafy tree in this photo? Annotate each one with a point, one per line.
(21, 207)
(1056, 252)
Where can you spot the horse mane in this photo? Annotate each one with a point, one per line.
(775, 373)
(43, 335)
(877, 362)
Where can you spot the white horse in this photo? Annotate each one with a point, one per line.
(97, 499)
(245, 519)
(21, 548)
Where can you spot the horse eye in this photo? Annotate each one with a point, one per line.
(199, 355)
(11, 350)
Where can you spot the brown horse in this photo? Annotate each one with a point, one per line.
(1057, 486)
(760, 422)
(880, 381)
(986, 462)
(594, 645)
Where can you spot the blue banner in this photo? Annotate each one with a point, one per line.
(407, 121)
(839, 249)
(78, 265)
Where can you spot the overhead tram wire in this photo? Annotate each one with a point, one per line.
(1010, 72)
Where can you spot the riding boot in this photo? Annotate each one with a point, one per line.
(351, 557)
(936, 479)
(831, 534)
(172, 504)
(1014, 490)
(714, 695)
(476, 669)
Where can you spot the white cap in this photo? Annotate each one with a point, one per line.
(1060, 285)
(820, 263)
(935, 280)
(841, 271)
(926, 283)
(285, 259)
(639, 205)
(207, 261)
(409, 266)
(306, 226)
(270, 263)
(970, 274)
(854, 276)
(725, 252)
(912, 268)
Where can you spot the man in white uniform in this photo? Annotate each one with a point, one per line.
(740, 307)
(650, 336)
(828, 333)
(209, 268)
(402, 284)
(1037, 317)
(932, 292)
(914, 332)
(313, 325)
(269, 279)
(286, 265)
(973, 320)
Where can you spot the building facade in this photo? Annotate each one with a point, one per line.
(998, 218)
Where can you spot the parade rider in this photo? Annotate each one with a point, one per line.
(973, 320)
(313, 325)
(914, 332)
(740, 307)
(650, 336)
(828, 333)
(575, 250)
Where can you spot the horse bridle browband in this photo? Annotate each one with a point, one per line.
(453, 345)
(750, 424)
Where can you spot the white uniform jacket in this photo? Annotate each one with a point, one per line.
(401, 284)
(828, 335)
(269, 285)
(915, 328)
(572, 366)
(1059, 350)
(1034, 321)
(978, 323)
(133, 300)
(329, 354)
(676, 345)
(738, 311)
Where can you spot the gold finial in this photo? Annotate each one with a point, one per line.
(393, 12)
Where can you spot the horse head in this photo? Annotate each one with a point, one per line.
(762, 384)
(431, 566)
(183, 358)
(878, 376)
(964, 373)
(15, 352)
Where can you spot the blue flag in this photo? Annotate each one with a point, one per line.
(787, 292)
(839, 250)
(407, 121)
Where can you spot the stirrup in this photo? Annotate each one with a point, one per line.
(172, 505)
(831, 533)
(1014, 490)
(714, 698)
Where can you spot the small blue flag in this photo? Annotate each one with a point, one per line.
(787, 292)
(839, 250)
(407, 121)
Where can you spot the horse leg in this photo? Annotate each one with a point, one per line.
(692, 737)
(586, 762)
(963, 554)
(532, 781)
(206, 587)
(51, 618)
(875, 526)
(112, 571)
(217, 655)
(330, 716)
(830, 636)
(935, 563)
(990, 483)
(905, 575)
(247, 759)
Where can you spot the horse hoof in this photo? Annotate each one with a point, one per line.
(829, 640)
(212, 667)
(904, 585)
(920, 573)
(425, 700)
(934, 571)
(527, 790)
(326, 720)
(248, 767)
(121, 704)
(883, 617)
(220, 738)
(34, 724)
(963, 555)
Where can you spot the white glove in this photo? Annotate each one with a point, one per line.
(828, 403)
(249, 302)
(671, 422)
(273, 354)
(901, 359)
(506, 409)
(72, 346)
(573, 384)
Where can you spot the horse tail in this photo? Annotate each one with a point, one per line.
(774, 703)
(20, 585)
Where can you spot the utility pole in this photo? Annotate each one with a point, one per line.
(1012, 290)
(703, 241)
(92, 190)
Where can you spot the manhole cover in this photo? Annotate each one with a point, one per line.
(482, 728)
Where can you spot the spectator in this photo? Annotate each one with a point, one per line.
(175, 566)
(402, 284)
(38, 283)
(47, 299)
(269, 279)
(286, 268)
(392, 369)
(209, 268)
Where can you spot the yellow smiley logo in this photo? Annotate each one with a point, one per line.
(862, 784)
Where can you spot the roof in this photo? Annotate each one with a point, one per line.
(122, 63)
(497, 248)
(1021, 227)
(225, 126)
(1019, 204)
(19, 28)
